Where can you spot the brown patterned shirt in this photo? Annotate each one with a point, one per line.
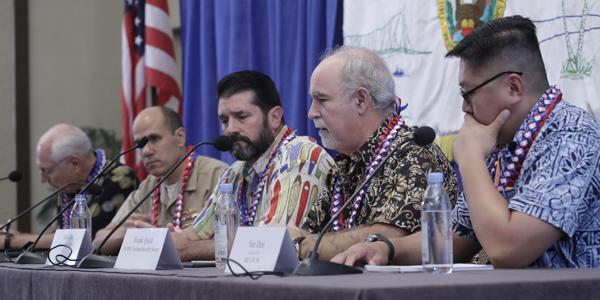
(395, 192)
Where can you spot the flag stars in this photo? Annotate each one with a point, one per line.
(138, 40)
(137, 21)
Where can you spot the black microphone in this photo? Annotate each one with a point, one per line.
(311, 265)
(13, 176)
(28, 257)
(52, 196)
(95, 259)
(139, 145)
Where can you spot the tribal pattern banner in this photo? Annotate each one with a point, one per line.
(414, 36)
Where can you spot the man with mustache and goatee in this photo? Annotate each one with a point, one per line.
(182, 195)
(278, 174)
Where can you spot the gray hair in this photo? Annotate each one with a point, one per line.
(66, 140)
(363, 68)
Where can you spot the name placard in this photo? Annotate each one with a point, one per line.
(69, 245)
(263, 249)
(148, 249)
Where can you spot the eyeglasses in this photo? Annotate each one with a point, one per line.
(467, 95)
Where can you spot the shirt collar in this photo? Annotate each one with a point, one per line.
(365, 152)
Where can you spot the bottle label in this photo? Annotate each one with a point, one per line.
(220, 240)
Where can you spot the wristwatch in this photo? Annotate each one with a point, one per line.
(378, 237)
(297, 242)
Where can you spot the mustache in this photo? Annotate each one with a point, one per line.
(318, 124)
(236, 137)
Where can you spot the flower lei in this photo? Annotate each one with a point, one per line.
(178, 215)
(65, 199)
(535, 121)
(385, 140)
(247, 215)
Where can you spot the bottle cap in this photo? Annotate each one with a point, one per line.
(226, 187)
(435, 177)
(80, 198)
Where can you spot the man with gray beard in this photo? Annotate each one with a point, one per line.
(278, 174)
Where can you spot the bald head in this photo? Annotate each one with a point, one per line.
(63, 140)
(166, 139)
(361, 67)
(167, 116)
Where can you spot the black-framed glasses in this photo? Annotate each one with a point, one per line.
(467, 95)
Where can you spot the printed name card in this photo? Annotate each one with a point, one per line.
(263, 249)
(68, 246)
(148, 249)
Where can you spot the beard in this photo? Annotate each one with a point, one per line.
(251, 150)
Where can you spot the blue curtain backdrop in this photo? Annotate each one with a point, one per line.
(282, 38)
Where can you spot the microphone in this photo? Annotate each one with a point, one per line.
(139, 145)
(311, 265)
(28, 257)
(14, 176)
(95, 259)
(17, 217)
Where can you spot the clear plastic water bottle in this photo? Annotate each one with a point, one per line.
(80, 214)
(436, 234)
(227, 220)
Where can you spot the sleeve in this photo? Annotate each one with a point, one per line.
(296, 184)
(203, 225)
(318, 214)
(555, 178)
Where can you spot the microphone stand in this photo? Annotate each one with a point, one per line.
(95, 259)
(311, 265)
(17, 217)
(139, 145)
(28, 257)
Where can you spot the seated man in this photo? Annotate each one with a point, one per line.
(183, 194)
(64, 155)
(529, 162)
(278, 174)
(354, 109)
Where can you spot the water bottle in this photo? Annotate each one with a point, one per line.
(80, 214)
(436, 234)
(227, 220)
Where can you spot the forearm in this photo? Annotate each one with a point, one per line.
(113, 244)
(337, 242)
(197, 250)
(20, 239)
(488, 210)
(407, 249)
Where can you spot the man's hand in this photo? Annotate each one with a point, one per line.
(295, 232)
(475, 140)
(139, 221)
(375, 253)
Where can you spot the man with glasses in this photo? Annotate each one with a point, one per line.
(529, 162)
(64, 155)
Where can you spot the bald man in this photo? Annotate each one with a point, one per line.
(64, 155)
(186, 190)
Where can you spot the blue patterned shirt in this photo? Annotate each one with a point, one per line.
(559, 183)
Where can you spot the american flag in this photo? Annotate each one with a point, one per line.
(148, 67)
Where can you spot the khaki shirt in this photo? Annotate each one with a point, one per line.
(205, 176)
